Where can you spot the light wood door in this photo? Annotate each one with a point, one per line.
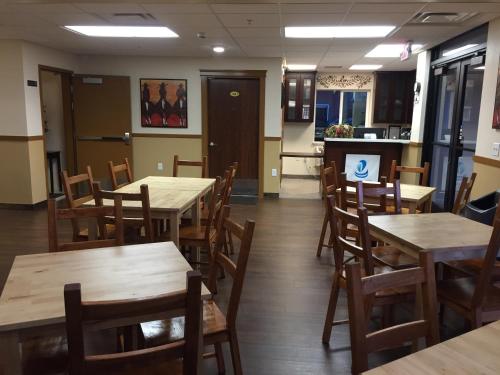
(102, 122)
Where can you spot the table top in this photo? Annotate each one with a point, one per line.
(166, 194)
(436, 231)
(476, 352)
(33, 294)
(409, 193)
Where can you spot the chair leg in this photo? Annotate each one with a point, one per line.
(235, 353)
(332, 305)
(219, 355)
(322, 236)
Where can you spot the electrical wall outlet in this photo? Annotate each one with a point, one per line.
(274, 172)
(160, 166)
(495, 150)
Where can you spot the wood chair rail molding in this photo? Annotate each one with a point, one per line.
(486, 161)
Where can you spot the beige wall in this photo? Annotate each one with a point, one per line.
(411, 156)
(16, 184)
(272, 149)
(37, 171)
(487, 180)
(149, 151)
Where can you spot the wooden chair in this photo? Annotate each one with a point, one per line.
(190, 163)
(154, 360)
(100, 214)
(132, 226)
(329, 183)
(374, 198)
(339, 219)
(361, 289)
(203, 236)
(217, 327)
(74, 198)
(422, 171)
(476, 298)
(114, 170)
(463, 194)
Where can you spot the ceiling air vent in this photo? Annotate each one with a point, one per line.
(132, 18)
(333, 66)
(440, 18)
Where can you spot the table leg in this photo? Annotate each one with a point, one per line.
(92, 228)
(419, 314)
(412, 206)
(196, 212)
(174, 223)
(428, 205)
(10, 355)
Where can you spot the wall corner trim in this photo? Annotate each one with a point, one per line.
(486, 161)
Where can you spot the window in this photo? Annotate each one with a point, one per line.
(339, 107)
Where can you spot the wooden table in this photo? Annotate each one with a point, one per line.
(412, 196)
(32, 302)
(476, 352)
(448, 236)
(169, 198)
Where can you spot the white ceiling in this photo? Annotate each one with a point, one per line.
(244, 28)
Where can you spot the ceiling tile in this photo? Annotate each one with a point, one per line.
(314, 8)
(245, 8)
(394, 7)
(469, 7)
(61, 19)
(254, 31)
(395, 19)
(198, 22)
(327, 19)
(259, 51)
(43, 8)
(110, 8)
(178, 8)
(259, 41)
(250, 20)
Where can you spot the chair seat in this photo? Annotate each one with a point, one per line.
(161, 332)
(193, 233)
(393, 257)
(460, 292)
(469, 267)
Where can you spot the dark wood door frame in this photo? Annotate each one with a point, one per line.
(255, 74)
(69, 73)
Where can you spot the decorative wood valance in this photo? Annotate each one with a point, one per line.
(345, 81)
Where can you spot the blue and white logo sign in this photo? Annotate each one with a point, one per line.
(362, 167)
(361, 171)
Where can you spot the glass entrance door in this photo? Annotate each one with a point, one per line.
(456, 114)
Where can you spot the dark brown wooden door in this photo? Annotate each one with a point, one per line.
(233, 126)
(102, 122)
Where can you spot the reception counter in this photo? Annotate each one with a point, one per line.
(379, 152)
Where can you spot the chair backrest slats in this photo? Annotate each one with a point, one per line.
(143, 197)
(187, 303)
(463, 195)
(374, 196)
(329, 179)
(345, 201)
(102, 215)
(114, 170)
(360, 289)
(190, 163)
(238, 270)
(422, 171)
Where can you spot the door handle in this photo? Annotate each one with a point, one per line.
(211, 144)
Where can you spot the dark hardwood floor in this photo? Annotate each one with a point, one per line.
(285, 295)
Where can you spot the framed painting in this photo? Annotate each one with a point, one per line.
(163, 103)
(496, 110)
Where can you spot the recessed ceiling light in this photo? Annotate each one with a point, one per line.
(125, 31)
(480, 68)
(390, 50)
(301, 67)
(218, 49)
(337, 31)
(365, 67)
(459, 49)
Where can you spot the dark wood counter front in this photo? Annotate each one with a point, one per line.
(389, 150)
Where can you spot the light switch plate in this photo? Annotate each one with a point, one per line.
(160, 166)
(495, 150)
(274, 172)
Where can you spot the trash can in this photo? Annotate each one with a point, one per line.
(483, 209)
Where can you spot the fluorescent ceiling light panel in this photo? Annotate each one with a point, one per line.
(480, 68)
(459, 49)
(301, 67)
(337, 31)
(390, 50)
(219, 49)
(365, 67)
(124, 31)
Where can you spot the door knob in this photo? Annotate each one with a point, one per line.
(211, 144)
